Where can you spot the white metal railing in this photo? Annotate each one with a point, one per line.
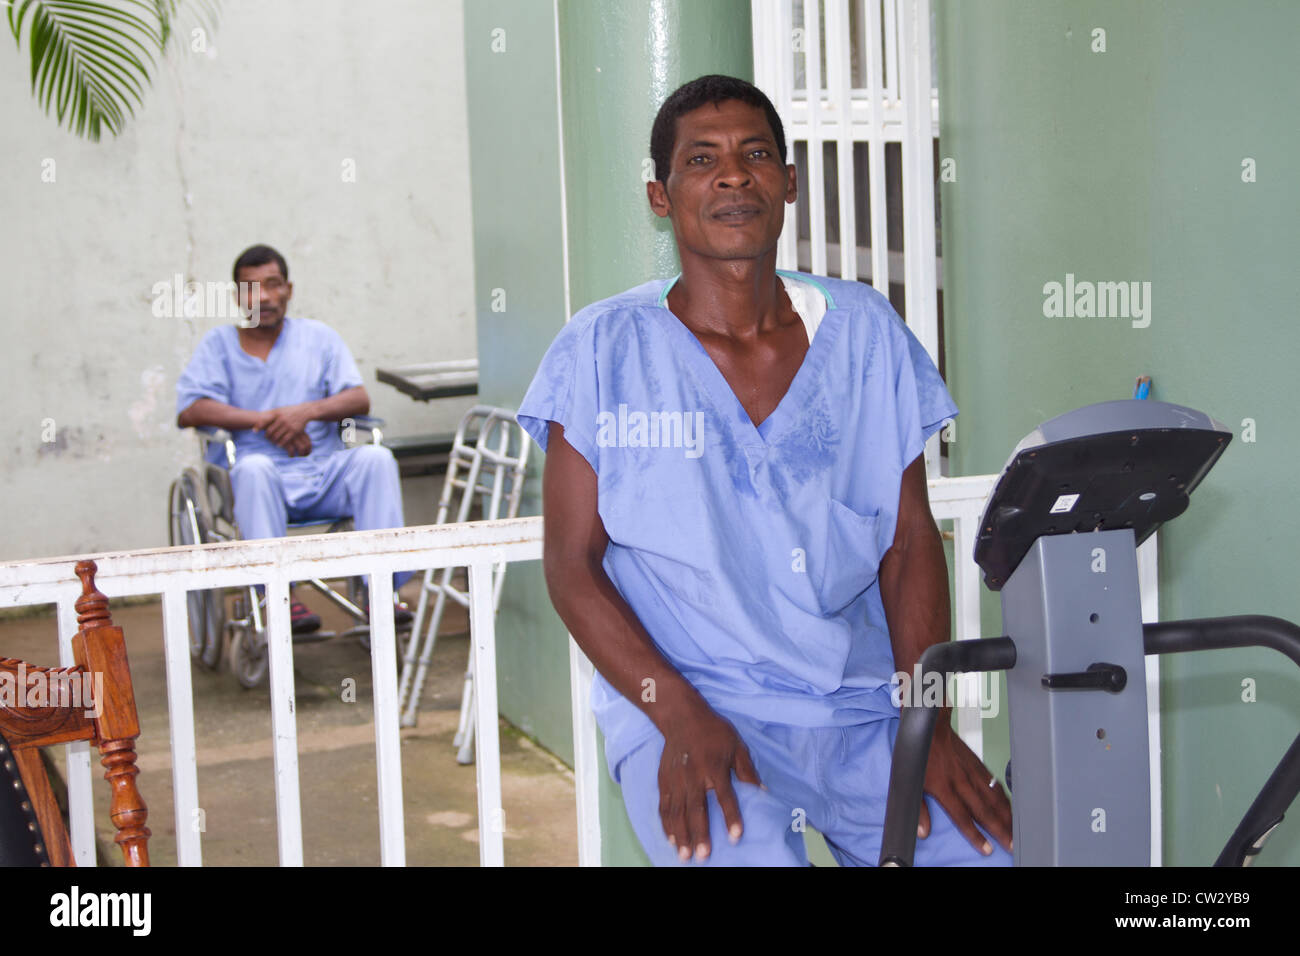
(274, 563)
(481, 545)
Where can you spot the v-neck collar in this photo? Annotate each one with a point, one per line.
(804, 381)
(264, 362)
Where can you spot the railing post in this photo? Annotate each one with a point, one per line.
(586, 762)
(81, 805)
(966, 590)
(180, 713)
(284, 726)
(487, 761)
(388, 743)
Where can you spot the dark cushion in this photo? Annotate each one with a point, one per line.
(21, 840)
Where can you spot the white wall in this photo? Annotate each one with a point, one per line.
(244, 143)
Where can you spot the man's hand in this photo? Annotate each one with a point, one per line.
(287, 426)
(700, 751)
(960, 782)
(299, 446)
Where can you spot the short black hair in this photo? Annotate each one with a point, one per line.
(260, 255)
(713, 88)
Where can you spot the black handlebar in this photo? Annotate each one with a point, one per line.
(1217, 633)
(916, 726)
(916, 729)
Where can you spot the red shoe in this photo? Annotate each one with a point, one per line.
(301, 618)
(401, 612)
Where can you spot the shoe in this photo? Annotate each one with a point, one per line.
(301, 618)
(401, 613)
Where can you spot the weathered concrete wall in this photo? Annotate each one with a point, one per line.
(337, 136)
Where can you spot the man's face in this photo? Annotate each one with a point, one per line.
(266, 300)
(726, 186)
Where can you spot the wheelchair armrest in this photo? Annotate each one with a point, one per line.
(210, 436)
(365, 423)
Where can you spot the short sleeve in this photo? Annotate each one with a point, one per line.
(341, 370)
(564, 390)
(206, 375)
(921, 397)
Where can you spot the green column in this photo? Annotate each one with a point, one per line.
(618, 63)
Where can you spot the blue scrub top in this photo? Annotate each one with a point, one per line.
(749, 554)
(308, 361)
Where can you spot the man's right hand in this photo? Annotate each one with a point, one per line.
(701, 750)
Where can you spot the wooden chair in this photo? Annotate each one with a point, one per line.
(32, 832)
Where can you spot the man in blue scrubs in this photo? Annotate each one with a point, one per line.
(280, 387)
(737, 528)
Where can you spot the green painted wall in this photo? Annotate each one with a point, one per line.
(519, 304)
(1127, 164)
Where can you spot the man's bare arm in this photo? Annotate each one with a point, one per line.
(287, 425)
(335, 408)
(700, 748)
(290, 420)
(210, 412)
(914, 591)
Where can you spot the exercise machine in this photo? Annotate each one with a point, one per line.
(1058, 539)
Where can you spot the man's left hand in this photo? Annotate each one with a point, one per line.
(960, 782)
(284, 425)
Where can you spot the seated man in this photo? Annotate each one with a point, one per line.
(737, 527)
(280, 386)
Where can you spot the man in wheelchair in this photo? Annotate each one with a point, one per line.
(280, 386)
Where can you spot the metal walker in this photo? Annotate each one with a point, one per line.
(489, 460)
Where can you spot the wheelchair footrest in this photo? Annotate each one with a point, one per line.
(363, 630)
(314, 637)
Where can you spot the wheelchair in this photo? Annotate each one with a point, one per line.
(201, 510)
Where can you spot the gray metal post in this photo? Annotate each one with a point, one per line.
(1079, 753)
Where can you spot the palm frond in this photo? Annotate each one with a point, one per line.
(90, 59)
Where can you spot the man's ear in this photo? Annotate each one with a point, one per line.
(792, 183)
(657, 193)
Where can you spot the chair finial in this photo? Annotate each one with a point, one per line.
(92, 606)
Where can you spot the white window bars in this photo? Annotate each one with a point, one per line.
(851, 78)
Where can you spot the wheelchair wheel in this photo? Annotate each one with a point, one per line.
(249, 658)
(188, 523)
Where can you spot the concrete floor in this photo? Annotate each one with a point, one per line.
(338, 780)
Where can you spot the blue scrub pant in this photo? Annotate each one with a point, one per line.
(833, 779)
(362, 482)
